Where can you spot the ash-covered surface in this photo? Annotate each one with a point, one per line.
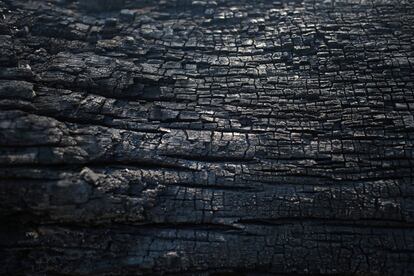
(203, 137)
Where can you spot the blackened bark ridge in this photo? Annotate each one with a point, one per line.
(204, 137)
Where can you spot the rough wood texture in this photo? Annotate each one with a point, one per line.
(204, 137)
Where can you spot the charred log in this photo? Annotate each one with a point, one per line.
(206, 137)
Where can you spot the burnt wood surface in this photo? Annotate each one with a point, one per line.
(206, 137)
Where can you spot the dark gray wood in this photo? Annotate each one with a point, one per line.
(204, 137)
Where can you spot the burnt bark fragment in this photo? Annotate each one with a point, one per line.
(206, 137)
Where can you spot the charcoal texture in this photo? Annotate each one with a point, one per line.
(207, 137)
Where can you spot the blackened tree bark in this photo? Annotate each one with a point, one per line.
(202, 137)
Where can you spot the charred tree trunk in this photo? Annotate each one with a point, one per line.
(204, 137)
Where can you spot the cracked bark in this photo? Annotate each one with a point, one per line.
(206, 137)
